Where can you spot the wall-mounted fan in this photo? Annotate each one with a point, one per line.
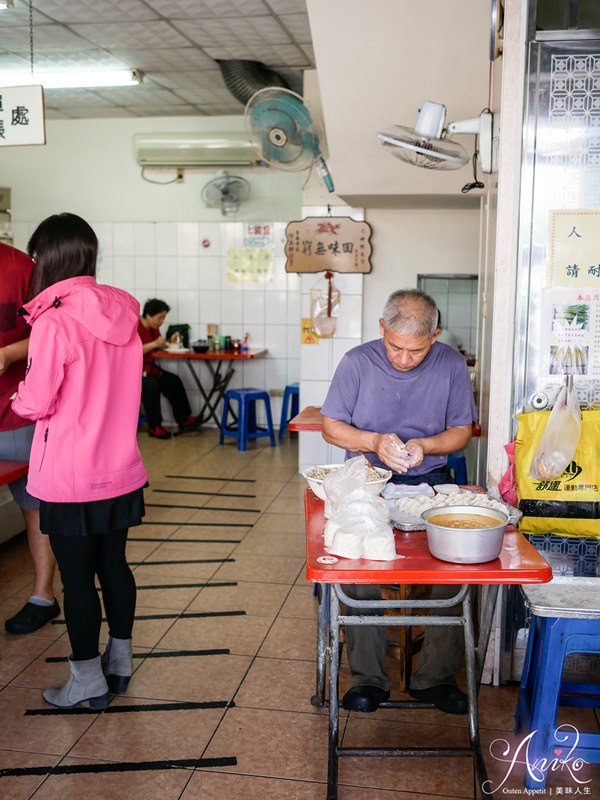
(285, 133)
(429, 145)
(226, 192)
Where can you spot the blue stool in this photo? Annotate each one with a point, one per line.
(291, 393)
(551, 640)
(458, 464)
(246, 427)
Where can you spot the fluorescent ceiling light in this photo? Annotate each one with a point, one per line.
(77, 79)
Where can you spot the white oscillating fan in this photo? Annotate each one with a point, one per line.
(226, 192)
(284, 132)
(429, 144)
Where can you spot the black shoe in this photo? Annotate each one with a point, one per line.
(364, 698)
(31, 618)
(445, 696)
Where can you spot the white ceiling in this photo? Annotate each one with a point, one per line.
(175, 43)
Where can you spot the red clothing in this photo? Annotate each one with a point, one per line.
(149, 335)
(15, 274)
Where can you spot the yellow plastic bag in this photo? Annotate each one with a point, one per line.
(570, 503)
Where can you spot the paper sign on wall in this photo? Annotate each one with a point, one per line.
(22, 115)
(574, 248)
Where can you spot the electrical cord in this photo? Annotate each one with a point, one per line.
(476, 183)
(160, 183)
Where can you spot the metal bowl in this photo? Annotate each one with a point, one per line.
(316, 484)
(465, 545)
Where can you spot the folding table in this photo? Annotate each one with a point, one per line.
(220, 381)
(518, 563)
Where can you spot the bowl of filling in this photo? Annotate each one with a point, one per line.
(376, 477)
(465, 534)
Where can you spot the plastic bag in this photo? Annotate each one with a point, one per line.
(342, 482)
(561, 436)
(324, 306)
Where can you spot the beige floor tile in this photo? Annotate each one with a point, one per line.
(288, 639)
(191, 678)
(168, 515)
(241, 519)
(277, 569)
(22, 786)
(272, 544)
(164, 784)
(288, 505)
(256, 599)
(241, 635)
(261, 487)
(180, 550)
(187, 570)
(274, 744)
(54, 734)
(19, 653)
(281, 523)
(238, 505)
(156, 595)
(148, 735)
(214, 786)
(280, 685)
(300, 603)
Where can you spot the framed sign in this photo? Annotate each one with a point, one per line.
(574, 248)
(22, 115)
(328, 244)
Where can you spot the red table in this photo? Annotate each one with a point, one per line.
(12, 470)
(518, 563)
(220, 381)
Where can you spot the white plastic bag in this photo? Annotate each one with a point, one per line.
(342, 482)
(561, 436)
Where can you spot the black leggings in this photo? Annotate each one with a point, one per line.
(80, 559)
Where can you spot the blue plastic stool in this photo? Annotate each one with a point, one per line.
(291, 393)
(551, 640)
(458, 464)
(246, 427)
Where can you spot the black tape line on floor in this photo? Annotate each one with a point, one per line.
(223, 651)
(209, 478)
(183, 541)
(204, 508)
(202, 524)
(127, 709)
(205, 494)
(122, 766)
(183, 615)
(191, 561)
(187, 585)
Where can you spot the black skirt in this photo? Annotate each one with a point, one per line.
(94, 518)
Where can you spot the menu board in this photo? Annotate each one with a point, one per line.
(328, 244)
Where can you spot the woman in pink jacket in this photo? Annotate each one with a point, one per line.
(82, 387)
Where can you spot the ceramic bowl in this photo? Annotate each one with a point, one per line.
(316, 483)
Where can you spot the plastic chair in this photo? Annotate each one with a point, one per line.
(291, 396)
(246, 427)
(458, 464)
(565, 619)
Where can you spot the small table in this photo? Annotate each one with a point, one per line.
(12, 470)
(220, 381)
(518, 563)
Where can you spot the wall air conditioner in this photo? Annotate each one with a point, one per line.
(194, 150)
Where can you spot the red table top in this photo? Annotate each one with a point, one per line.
(310, 419)
(519, 561)
(222, 355)
(12, 471)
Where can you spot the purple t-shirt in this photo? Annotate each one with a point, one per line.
(368, 393)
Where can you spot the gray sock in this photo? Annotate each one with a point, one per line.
(40, 601)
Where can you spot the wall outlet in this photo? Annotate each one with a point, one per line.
(276, 392)
(180, 176)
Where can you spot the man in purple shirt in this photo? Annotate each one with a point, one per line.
(406, 402)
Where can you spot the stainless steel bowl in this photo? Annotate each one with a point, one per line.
(465, 545)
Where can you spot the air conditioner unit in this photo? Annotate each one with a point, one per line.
(194, 150)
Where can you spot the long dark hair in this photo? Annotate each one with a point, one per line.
(63, 246)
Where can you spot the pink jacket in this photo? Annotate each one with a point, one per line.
(82, 387)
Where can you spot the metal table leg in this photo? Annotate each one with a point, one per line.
(212, 398)
(324, 591)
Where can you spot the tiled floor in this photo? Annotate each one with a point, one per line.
(224, 653)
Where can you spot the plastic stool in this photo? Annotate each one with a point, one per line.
(551, 640)
(246, 427)
(291, 393)
(458, 464)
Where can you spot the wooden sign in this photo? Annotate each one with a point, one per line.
(22, 115)
(334, 244)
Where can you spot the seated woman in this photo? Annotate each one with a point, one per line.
(155, 380)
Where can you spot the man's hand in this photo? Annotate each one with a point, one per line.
(393, 452)
(415, 452)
